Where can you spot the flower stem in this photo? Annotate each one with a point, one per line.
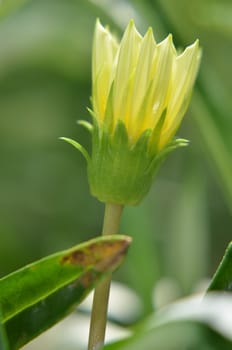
(98, 321)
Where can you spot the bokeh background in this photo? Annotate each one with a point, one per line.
(183, 226)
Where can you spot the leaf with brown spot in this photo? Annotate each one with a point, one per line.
(37, 296)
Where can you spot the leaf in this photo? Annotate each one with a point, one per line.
(40, 294)
(222, 279)
(175, 336)
(187, 324)
(3, 339)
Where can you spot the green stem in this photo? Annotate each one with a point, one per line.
(111, 223)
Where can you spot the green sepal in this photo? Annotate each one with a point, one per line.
(88, 126)
(117, 171)
(143, 141)
(156, 133)
(77, 146)
(122, 172)
(177, 143)
(109, 115)
(120, 136)
(162, 155)
(91, 112)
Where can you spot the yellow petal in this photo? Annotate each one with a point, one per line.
(104, 51)
(145, 79)
(127, 60)
(104, 48)
(143, 73)
(101, 88)
(184, 74)
(159, 91)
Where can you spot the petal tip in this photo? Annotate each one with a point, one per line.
(131, 25)
(132, 30)
(194, 46)
(98, 24)
(166, 41)
(150, 34)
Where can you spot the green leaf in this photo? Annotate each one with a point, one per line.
(175, 336)
(222, 279)
(40, 294)
(188, 324)
(3, 339)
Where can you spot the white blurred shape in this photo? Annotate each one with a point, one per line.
(165, 291)
(124, 304)
(72, 334)
(213, 309)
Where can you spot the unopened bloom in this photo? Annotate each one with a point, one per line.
(141, 91)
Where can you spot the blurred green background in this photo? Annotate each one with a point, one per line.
(183, 226)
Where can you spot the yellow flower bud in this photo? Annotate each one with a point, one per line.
(141, 90)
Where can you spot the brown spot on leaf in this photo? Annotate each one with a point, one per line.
(78, 257)
(101, 254)
(87, 280)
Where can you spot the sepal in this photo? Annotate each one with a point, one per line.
(177, 143)
(77, 146)
(119, 172)
(88, 126)
(162, 155)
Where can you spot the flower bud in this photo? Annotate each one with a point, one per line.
(141, 90)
